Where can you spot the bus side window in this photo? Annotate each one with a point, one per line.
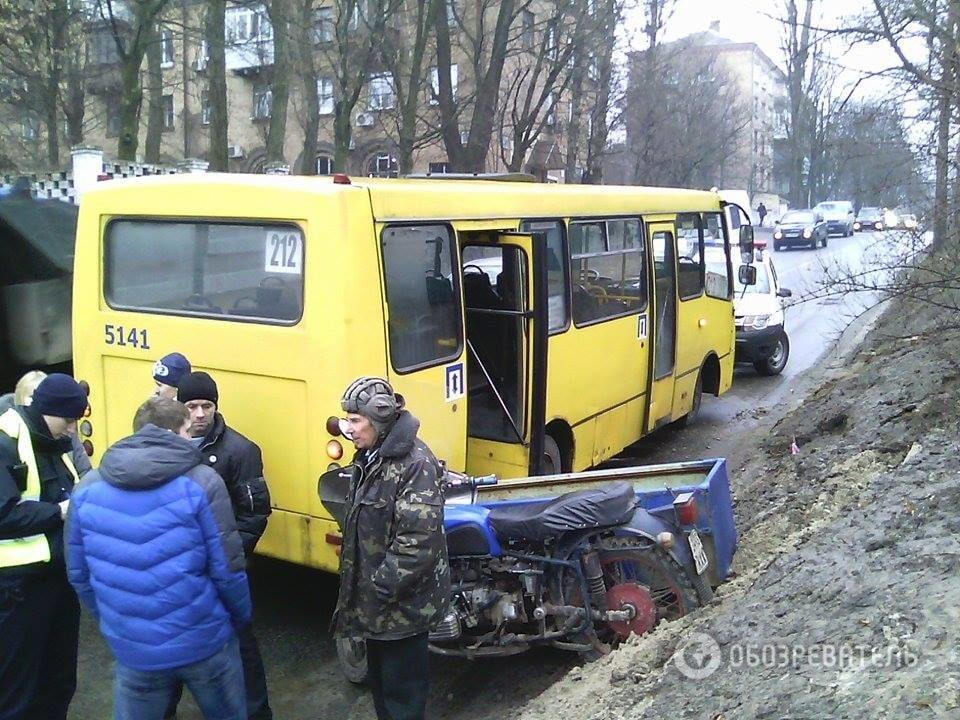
(690, 278)
(424, 314)
(556, 269)
(717, 282)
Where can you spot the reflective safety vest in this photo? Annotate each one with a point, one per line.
(34, 548)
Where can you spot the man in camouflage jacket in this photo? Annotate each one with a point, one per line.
(394, 574)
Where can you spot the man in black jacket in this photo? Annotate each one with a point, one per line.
(239, 462)
(39, 612)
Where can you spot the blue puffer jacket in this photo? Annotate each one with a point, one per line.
(153, 552)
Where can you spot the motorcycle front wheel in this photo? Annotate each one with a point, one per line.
(352, 656)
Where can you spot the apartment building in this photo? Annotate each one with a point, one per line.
(250, 47)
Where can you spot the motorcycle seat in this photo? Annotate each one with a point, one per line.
(605, 506)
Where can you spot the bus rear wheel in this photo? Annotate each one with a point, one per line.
(552, 459)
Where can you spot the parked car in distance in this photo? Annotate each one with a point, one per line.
(839, 216)
(759, 319)
(909, 222)
(869, 218)
(800, 227)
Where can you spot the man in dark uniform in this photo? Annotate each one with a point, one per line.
(394, 573)
(39, 612)
(239, 462)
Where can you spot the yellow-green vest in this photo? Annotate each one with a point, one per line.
(34, 548)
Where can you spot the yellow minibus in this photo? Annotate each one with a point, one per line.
(533, 329)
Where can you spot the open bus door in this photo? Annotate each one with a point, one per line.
(505, 304)
(664, 331)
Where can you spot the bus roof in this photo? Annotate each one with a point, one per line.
(419, 199)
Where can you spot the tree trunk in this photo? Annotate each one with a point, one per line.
(572, 154)
(280, 87)
(217, 85)
(342, 132)
(311, 97)
(131, 97)
(151, 149)
(52, 119)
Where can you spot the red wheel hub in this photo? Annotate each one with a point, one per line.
(625, 595)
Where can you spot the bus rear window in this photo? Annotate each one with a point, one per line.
(231, 270)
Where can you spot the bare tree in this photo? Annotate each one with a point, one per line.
(214, 32)
(132, 25)
(797, 47)
(280, 16)
(535, 80)
(486, 50)
(37, 45)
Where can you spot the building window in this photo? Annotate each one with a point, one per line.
(112, 112)
(262, 103)
(166, 47)
(244, 24)
(29, 129)
(551, 109)
(551, 41)
(323, 25)
(383, 165)
(203, 57)
(526, 36)
(381, 92)
(439, 168)
(357, 16)
(451, 13)
(324, 165)
(166, 102)
(435, 83)
(205, 107)
(103, 48)
(325, 95)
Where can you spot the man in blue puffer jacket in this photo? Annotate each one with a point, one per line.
(154, 554)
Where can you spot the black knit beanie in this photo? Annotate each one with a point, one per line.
(197, 386)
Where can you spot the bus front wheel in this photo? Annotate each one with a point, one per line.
(697, 402)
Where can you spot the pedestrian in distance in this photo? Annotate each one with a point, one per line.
(22, 396)
(39, 613)
(394, 573)
(761, 212)
(154, 554)
(239, 462)
(167, 373)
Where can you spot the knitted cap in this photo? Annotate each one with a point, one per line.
(170, 368)
(59, 395)
(197, 386)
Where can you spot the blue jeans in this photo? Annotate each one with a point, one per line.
(216, 684)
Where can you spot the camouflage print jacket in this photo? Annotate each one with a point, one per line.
(394, 574)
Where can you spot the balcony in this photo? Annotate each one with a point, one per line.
(250, 56)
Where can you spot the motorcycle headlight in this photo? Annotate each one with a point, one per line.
(808, 233)
(777, 235)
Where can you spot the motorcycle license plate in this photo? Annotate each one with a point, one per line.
(699, 554)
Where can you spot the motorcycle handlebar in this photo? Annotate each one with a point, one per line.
(455, 480)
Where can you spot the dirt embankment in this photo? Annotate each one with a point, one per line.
(846, 601)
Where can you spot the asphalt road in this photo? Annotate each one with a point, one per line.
(294, 604)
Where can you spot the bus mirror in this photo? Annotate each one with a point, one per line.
(746, 238)
(748, 275)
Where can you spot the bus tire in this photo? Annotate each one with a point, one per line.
(552, 459)
(352, 658)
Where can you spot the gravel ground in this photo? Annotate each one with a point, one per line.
(846, 600)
